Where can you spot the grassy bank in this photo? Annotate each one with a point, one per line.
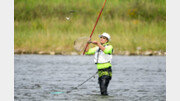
(42, 26)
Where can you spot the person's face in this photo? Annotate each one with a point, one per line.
(103, 40)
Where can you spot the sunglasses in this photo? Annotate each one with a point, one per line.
(103, 37)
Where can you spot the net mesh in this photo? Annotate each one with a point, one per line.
(80, 43)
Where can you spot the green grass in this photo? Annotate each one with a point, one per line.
(42, 26)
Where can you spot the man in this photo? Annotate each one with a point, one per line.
(103, 55)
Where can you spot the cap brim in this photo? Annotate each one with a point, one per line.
(102, 35)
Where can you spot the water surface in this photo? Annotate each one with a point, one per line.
(135, 78)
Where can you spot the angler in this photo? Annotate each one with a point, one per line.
(103, 55)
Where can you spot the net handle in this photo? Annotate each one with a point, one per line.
(94, 26)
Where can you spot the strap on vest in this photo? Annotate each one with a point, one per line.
(98, 55)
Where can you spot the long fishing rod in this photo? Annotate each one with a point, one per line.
(84, 53)
(95, 26)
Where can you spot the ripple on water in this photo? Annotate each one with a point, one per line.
(135, 78)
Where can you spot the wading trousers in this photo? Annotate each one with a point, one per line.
(104, 80)
(103, 83)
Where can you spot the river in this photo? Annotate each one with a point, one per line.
(134, 78)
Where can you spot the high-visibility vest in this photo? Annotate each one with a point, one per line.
(101, 57)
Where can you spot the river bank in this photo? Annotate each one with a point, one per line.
(51, 27)
(127, 53)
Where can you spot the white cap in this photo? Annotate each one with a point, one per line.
(106, 35)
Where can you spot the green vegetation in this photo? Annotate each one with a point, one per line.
(42, 25)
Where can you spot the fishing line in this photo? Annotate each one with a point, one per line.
(76, 86)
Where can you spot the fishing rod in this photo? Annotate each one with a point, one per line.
(94, 26)
(84, 53)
